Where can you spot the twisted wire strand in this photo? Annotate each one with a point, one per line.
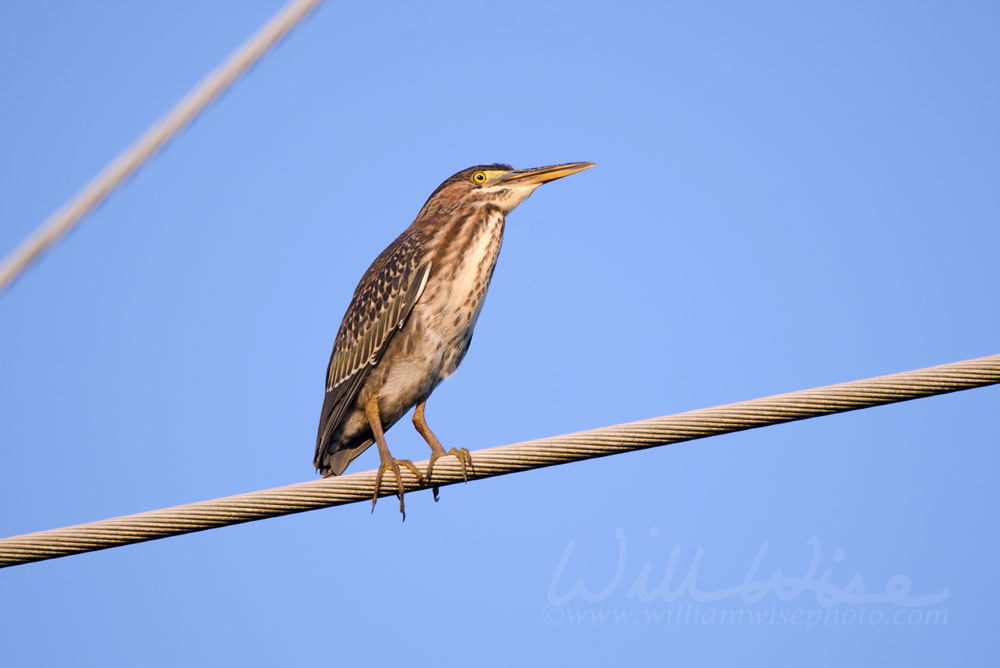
(238, 62)
(505, 459)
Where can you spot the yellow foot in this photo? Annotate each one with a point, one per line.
(464, 457)
(393, 464)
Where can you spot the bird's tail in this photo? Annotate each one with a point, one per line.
(333, 462)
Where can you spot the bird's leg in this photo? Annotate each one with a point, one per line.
(437, 451)
(388, 462)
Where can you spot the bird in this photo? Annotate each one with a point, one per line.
(410, 321)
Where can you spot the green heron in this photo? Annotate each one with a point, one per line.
(411, 318)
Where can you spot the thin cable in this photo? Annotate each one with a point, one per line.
(238, 62)
(504, 459)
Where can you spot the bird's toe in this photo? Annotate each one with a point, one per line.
(393, 465)
(464, 458)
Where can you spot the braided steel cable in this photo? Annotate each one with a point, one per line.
(238, 62)
(505, 459)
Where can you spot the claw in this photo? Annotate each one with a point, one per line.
(394, 465)
(464, 458)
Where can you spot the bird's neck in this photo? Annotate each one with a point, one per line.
(465, 244)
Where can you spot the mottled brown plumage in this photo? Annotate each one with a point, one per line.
(411, 319)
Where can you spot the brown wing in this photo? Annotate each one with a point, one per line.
(383, 300)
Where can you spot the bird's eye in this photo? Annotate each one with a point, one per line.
(479, 178)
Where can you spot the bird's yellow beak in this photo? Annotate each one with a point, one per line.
(540, 175)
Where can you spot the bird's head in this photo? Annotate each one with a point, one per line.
(500, 186)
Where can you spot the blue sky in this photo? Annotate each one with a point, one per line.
(787, 195)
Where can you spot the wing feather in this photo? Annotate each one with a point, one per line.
(382, 302)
